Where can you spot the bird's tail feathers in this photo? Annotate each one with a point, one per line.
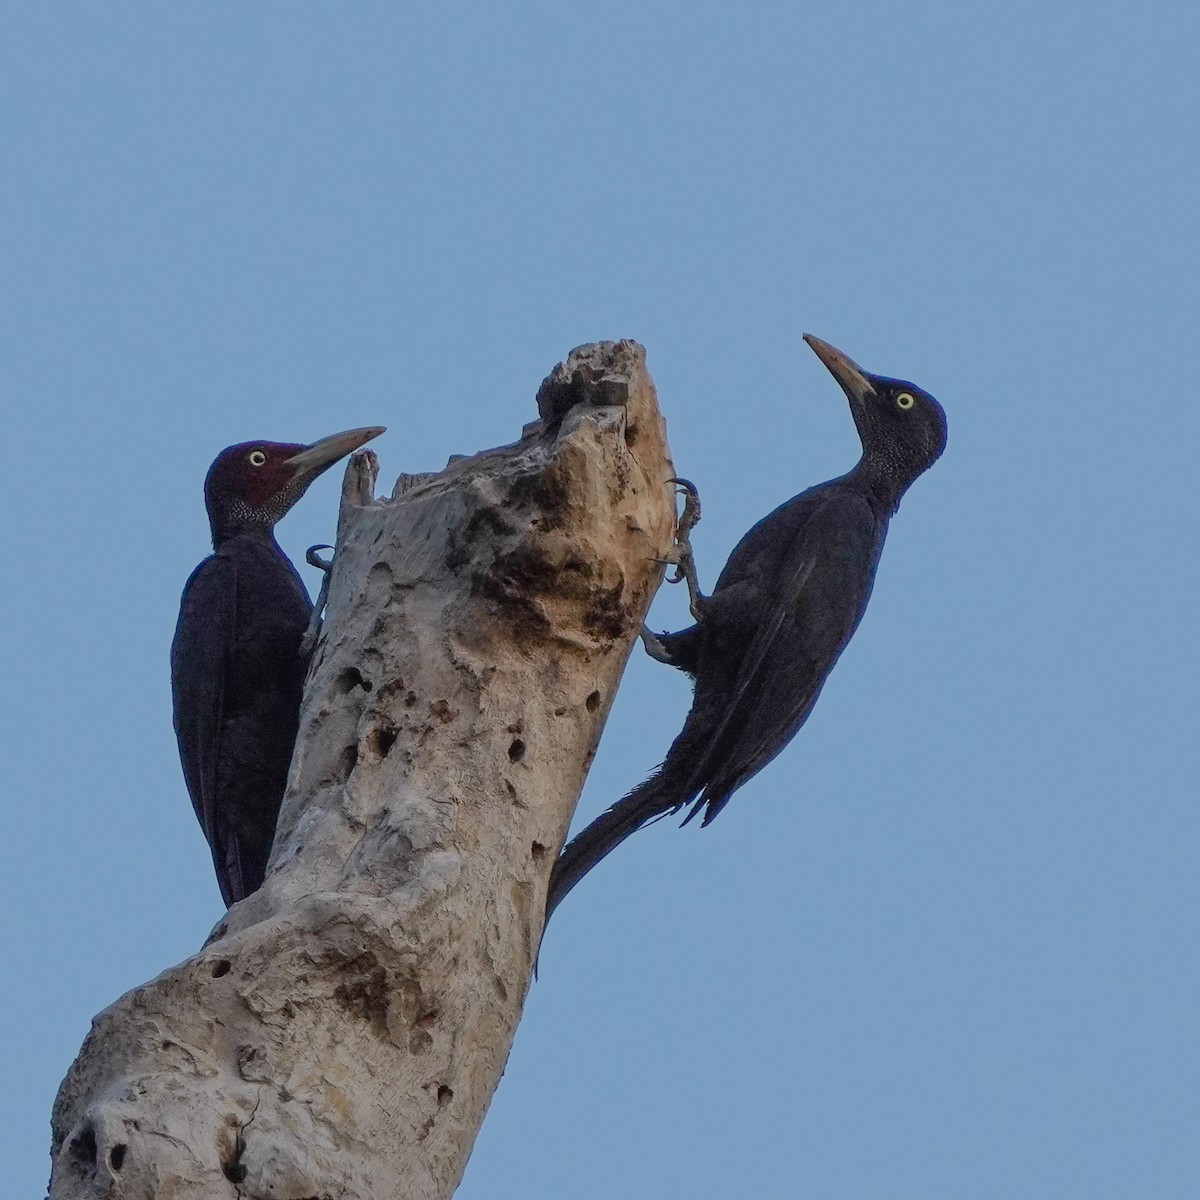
(647, 803)
(709, 802)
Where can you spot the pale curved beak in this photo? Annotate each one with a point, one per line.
(844, 369)
(314, 459)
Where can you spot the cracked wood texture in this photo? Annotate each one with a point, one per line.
(342, 1031)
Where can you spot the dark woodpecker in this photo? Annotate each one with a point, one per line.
(237, 669)
(785, 606)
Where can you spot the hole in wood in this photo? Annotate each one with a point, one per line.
(116, 1157)
(445, 1095)
(83, 1147)
(350, 679)
(221, 967)
(538, 851)
(347, 761)
(592, 702)
(381, 739)
(516, 751)
(233, 1170)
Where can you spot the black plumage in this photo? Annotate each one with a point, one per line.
(786, 604)
(237, 668)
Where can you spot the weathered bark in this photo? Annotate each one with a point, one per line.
(343, 1030)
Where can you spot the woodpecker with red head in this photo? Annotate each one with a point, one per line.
(237, 668)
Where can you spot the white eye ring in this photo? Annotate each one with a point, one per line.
(906, 400)
(257, 458)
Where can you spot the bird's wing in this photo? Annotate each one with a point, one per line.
(817, 598)
(200, 655)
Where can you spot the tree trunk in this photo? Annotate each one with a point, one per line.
(342, 1031)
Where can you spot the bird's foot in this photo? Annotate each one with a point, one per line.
(690, 517)
(308, 643)
(682, 556)
(654, 647)
(315, 560)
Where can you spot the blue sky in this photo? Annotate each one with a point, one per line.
(945, 945)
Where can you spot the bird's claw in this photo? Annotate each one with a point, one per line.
(670, 559)
(308, 643)
(315, 560)
(681, 554)
(690, 517)
(654, 647)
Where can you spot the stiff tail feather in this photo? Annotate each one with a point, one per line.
(653, 799)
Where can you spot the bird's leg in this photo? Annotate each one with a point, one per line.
(308, 642)
(654, 647)
(682, 556)
(682, 560)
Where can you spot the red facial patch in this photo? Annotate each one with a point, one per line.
(253, 472)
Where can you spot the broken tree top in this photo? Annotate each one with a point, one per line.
(344, 1028)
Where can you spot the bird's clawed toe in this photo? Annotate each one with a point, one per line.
(315, 560)
(681, 556)
(308, 643)
(654, 647)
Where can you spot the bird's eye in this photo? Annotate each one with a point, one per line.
(257, 458)
(905, 400)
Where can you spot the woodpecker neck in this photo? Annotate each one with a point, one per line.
(881, 477)
(239, 519)
(230, 516)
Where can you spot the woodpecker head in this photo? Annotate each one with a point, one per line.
(251, 485)
(902, 427)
